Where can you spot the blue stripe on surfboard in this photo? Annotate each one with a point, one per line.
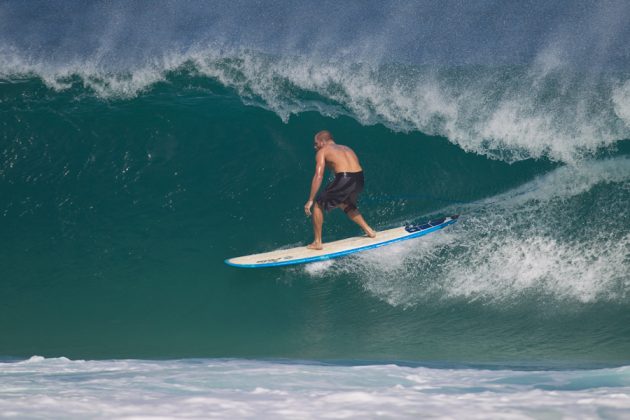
(346, 252)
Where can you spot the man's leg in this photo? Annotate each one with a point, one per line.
(318, 221)
(356, 217)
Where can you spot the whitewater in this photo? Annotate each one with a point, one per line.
(198, 388)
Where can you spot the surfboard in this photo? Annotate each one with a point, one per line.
(343, 247)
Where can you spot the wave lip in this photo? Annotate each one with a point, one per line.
(509, 113)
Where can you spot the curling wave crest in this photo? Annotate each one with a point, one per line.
(509, 113)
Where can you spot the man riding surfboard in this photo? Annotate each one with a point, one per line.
(342, 192)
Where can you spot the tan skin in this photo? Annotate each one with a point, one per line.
(337, 158)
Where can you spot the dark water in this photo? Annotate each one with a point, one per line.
(126, 179)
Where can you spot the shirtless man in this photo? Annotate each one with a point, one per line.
(342, 192)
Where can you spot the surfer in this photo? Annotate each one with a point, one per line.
(342, 192)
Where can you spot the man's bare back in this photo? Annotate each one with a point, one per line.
(342, 192)
(340, 158)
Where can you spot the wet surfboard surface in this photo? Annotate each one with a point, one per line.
(340, 248)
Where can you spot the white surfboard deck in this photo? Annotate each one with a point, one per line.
(301, 255)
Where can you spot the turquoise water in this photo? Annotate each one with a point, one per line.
(129, 172)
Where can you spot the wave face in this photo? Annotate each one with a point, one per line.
(140, 148)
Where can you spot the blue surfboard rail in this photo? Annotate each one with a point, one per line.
(415, 230)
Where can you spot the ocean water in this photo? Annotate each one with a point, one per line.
(142, 145)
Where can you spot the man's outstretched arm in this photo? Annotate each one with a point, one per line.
(320, 167)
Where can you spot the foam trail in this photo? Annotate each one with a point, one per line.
(523, 245)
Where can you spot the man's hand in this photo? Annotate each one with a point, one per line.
(307, 207)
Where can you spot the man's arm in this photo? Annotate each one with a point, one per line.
(320, 167)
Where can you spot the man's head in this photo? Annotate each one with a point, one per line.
(322, 139)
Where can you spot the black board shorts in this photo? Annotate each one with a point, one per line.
(344, 189)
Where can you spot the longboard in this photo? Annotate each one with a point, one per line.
(336, 249)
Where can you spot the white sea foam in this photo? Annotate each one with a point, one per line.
(208, 388)
(525, 242)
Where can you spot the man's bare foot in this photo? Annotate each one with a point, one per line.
(315, 245)
(370, 233)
